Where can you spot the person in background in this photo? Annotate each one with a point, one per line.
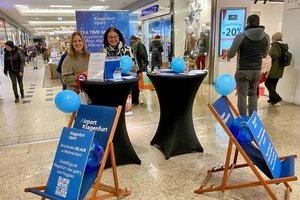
(22, 53)
(14, 66)
(251, 46)
(58, 69)
(140, 53)
(76, 62)
(276, 71)
(33, 52)
(114, 46)
(156, 50)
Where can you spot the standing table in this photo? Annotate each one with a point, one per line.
(111, 93)
(176, 92)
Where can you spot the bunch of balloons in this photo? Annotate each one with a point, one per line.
(67, 101)
(95, 157)
(240, 130)
(126, 64)
(178, 65)
(224, 84)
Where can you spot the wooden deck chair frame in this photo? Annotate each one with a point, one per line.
(228, 168)
(112, 191)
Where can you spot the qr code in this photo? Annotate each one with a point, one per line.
(62, 187)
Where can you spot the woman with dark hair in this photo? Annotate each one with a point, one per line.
(76, 62)
(14, 66)
(114, 46)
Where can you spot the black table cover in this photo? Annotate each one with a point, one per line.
(110, 93)
(176, 92)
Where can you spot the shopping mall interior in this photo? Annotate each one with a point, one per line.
(30, 130)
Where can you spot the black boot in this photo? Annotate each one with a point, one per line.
(17, 100)
(22, 95)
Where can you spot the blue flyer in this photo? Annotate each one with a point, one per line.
(265, 145)
(69, 163)
(92, 24)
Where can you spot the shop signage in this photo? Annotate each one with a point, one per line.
(149, 10)
(265, 145)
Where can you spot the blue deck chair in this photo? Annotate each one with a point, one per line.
(225, 113)
(93, 179)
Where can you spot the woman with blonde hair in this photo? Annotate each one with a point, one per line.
(76, 62)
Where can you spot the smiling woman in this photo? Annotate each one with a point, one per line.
(76, 62)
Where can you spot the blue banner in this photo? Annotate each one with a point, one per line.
(69, 163)
(265, 145)
(93, 24)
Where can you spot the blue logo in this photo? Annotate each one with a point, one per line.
(150, 10)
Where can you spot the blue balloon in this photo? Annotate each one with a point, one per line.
(178, 64)
(95, 157)
(224, 84)
(67, 101)
(240, 130)
(126, 64)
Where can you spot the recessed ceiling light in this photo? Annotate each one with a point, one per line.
(59, 18)
(60, 6)
(36, 18)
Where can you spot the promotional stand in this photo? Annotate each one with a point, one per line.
(103, 120)
(279, 170)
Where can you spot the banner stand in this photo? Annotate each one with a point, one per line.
(88, 180)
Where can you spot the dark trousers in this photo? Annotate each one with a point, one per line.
(271, 84)
(15, 77)
(135, 92)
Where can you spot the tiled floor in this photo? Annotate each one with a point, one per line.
(29, 132)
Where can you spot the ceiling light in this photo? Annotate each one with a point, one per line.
(59, 18)
(60, 6)
(38, 23)
(98, 7)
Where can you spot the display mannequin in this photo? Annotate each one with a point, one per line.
(202, 46)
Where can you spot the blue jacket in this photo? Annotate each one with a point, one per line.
(251, 46)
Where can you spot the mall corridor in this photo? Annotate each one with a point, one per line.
(30, 129)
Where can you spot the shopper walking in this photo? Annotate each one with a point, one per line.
(276, 71)
(251, 46)
(33, 52)
(14, 66)
(76, 62)
(156, 50)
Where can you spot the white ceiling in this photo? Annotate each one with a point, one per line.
(31, 17)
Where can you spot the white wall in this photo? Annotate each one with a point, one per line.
(289, 85)
(270, 15)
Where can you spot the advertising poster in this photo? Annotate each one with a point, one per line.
(92, 24)
(99, 119)
(69, 163)
(265, 145)
(232, 22)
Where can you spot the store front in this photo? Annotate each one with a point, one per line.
(152, 20)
